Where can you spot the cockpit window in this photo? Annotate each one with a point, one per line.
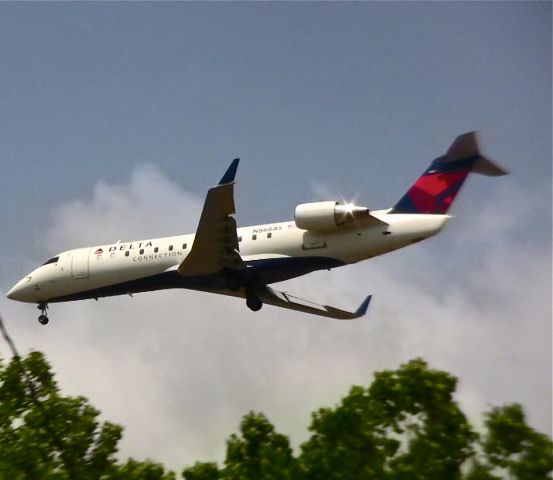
(52, 260)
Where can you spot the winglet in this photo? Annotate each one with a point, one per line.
(229, 175)
(363, 307)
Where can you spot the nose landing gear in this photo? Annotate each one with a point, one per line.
(43, 319)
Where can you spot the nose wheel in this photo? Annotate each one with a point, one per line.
(43, 318)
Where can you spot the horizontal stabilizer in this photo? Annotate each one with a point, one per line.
(466, 147)
(285, 300)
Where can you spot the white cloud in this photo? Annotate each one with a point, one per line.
(178, 369)
(148, 203)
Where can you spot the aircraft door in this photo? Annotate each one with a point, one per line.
(79, 263)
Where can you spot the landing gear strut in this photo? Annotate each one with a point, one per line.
(43, 319)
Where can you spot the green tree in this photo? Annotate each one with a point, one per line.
(146, 470)
(513, 448)
(259, 452)
(406, 425)
(479, 471)
(202, 471)
(45, 435)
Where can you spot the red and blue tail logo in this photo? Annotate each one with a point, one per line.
(438, 186)
(436, 189)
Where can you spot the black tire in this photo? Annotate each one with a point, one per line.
(43, 320)
(254, 303)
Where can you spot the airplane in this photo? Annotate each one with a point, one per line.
(243, 262)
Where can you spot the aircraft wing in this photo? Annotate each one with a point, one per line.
(271, 296)
(215, 245)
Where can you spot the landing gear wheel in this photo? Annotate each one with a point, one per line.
(254, 303)
(43, 320)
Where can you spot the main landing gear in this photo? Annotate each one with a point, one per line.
(43, 319)
(253, 302)
(237, 279)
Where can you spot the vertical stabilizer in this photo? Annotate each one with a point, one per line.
(436, 189)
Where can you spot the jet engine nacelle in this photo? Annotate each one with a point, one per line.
(324, 216)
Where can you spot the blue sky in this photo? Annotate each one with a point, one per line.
(106, 105)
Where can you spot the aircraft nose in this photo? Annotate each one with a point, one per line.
(19, 290)
(12, 294)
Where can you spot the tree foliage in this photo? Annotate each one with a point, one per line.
(405, 425)
(202, 471)
(257, 452)
(514, 448)
(145, 470)
(45, 435)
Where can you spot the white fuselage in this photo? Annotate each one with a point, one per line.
(85, 270)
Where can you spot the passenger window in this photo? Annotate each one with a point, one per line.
(184, 246)
(240, 238)
(269, 235)
(156, 249)
(170, 247)
(127, 253)
(141, 251)
(254, 237)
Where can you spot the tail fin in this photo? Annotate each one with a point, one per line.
(438, 186)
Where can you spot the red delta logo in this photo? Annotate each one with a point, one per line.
(98, 252)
